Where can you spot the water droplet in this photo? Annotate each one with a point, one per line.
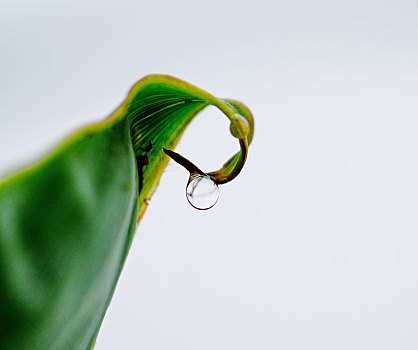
(202, 192)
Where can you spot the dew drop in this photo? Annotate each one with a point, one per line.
(202, 192)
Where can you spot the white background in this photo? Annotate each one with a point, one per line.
(315, 245)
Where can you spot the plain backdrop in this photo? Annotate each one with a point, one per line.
(314, 245)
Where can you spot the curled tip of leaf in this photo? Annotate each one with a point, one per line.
(159, 108)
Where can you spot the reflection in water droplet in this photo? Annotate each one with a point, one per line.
(201, 192)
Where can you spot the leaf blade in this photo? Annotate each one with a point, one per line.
(67, 222)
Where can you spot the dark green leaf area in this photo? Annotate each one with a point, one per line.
(63, 240)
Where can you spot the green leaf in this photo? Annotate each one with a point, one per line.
(67, 222)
